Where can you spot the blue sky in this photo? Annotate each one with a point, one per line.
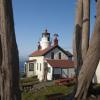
(32, 17)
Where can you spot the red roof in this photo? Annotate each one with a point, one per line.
(61, 63)
(41, 52)
(31, 60)
(45, 51)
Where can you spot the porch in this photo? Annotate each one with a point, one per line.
(60, 73)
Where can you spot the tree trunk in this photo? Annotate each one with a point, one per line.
(77, 36)
(9, 60)
(86, 27)
(91, 61)
(45, 71)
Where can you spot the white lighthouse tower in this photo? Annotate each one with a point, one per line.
(45, 40)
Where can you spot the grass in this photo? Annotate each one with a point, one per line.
(29, 81)
(40, 95)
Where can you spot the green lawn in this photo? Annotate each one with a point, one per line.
(40, 95)
(29, 81)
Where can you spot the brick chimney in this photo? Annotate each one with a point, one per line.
(55, 39)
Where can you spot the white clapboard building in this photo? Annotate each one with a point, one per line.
(49, 61)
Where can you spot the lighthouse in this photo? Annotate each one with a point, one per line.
(45, 40)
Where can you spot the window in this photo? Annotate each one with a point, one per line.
(48, 38)
(52, 55)
(37, 66)
(60, 55)
(31, 66)
(40, 66)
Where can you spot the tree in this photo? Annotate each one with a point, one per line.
(77, 36)
(85, 28)
(9, 60)
(91, 59)
(45, 71)
(82, 30)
